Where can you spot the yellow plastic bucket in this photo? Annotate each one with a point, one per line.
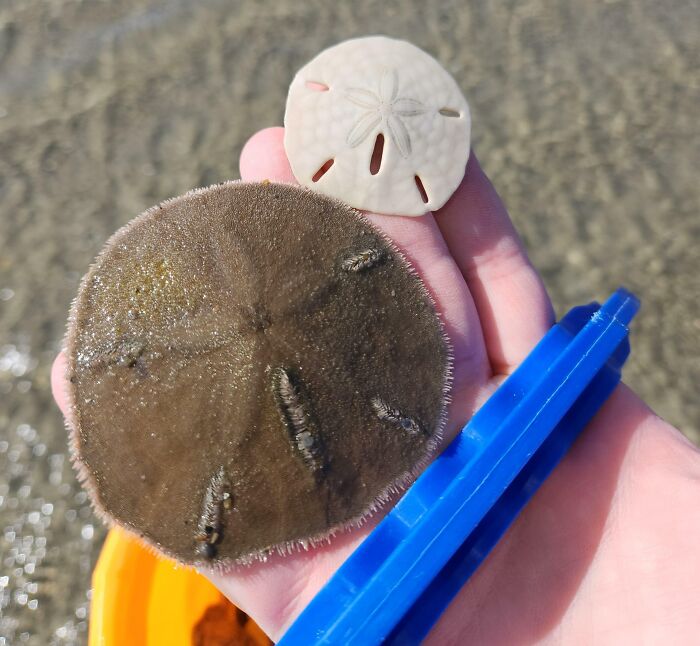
(141, 599)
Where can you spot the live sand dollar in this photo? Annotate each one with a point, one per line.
(251, 367)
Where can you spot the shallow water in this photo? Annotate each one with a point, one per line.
(584, 116)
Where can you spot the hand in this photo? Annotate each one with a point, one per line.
(606, 551)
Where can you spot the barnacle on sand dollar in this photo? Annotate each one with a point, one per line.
(380, 124)
(251, 367)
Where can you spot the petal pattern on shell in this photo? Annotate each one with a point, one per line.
(382, 86)
(389, 86)
(363, 126)
(408, 107)
(399, 135)
(363, 98)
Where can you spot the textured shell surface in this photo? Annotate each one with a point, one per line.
(379, 124)
(251, 367)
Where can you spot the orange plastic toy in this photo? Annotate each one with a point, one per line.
(142, 599)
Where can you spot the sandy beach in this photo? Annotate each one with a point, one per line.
(584, 116)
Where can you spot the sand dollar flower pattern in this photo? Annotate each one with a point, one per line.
(378, 124)
(386, 108)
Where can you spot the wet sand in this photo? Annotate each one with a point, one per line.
(585, 117)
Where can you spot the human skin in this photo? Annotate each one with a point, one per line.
(607, 550)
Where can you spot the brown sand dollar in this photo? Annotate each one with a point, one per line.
(251, 367)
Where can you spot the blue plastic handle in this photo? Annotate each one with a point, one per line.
(394, 587)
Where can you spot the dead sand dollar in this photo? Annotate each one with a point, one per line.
(379, 124)
(251, 367)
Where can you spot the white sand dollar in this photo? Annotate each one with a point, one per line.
(379, 124)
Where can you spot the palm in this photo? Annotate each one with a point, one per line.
(595, 558)
(586, 538)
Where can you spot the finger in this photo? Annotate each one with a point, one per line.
(513, 305)
(419, 239)
(263, 157)
(58, 382)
